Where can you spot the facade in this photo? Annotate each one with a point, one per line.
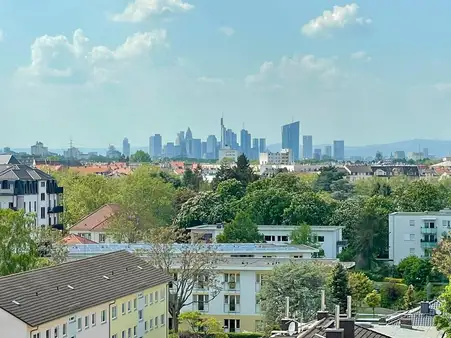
(155, 146)
(245, 143)
(94, 226)
(126, 147)
(284, 157)
(317, 154)
(358, 172)
(329, 237)
(262, 145)
(212, 149)
(240, 277)
(327, 152)
(290, 138)
(339, 150)
(85, 299)
(416, 233)
(307, 147)
(39, 150)
(228, 154)
(30, 189)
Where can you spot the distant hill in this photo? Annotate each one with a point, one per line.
(438, 148)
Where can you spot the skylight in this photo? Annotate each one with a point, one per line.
(70, 286)
(106, 277)
(16, 302)
(139, 267)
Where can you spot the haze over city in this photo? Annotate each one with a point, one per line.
(108, 70)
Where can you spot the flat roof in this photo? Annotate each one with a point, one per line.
(272, 227)
(422, 213)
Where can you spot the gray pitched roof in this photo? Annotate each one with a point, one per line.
(329, 323)
(8, 159)
(44, 295)
(13, 172)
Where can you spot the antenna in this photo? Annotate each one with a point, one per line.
(349, 307)
(337, 316)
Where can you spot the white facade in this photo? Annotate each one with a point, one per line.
(39, 150)
(228, 154)
(329, 237)
(416, 233)
(284, 157)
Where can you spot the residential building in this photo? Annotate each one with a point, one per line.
(241, 274)
(39, 150)
(400, 155)
(415, 156)
(73, 239)
(228, 154)
(30, 189)
(155, 146)
(416, 233)
(307, 147)
(284, 157)
(262, 145)
(357, 172)
(290, 138)
(126, 147)
(339, 150)
(73, 154)
(94, 226)
(330, 238)
(86, 299)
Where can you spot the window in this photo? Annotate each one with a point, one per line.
(145, 326)
(42, 197)
(123, 334)
(114, 336)
(156, 321)
(267, 238)
(42, 212)
(86, 322)
(64, 330)
(446, 223)
(162, 319)
(79, 324)
(102, 238)
(140, 315)
(93, 319)
(129, 332)
(162, 294)
(72, 319)
(232, 280)
(156, 296)
(103, 316)
(202, 302)
(321, 239)
(145, 300)
(429, 225)
(113, 312)
(129, 306)
(42, 184)
(134, 331)
(55, 332)
(47, 333)
(134, 304)
(231, 303)
(412, 222)
(150, 324)
(37, 335)
(123, 308)
(231, 325)
(35, 204)
(284, 238)
(412, 237)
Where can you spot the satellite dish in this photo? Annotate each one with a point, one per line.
(292, 328)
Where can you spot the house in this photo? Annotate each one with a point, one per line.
(241, 274)
(72, 239)
(106, 296)
(416, 233)
(94, 226)
(330, 238)
(358, 172)
(32, 190)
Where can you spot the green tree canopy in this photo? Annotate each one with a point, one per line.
(421, 195)
(415, 271)
(443, 320)
(373, 300)
(409, 298)
(240, 230)
(231, 189)
(327, 176)
(140, 157)
(310, 208)
(339, 287)
(359, 285)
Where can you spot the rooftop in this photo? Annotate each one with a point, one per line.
(270, 227)
(43, 295)
(97, 220)
(422, 213)
(73, 239)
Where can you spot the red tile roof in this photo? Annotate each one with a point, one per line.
(97, 220)
(73, 239)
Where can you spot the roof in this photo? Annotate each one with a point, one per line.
(23, 172)
(418, 318)
(359, 169)
(91, 170)
(422, 213)
(319, 328)
(97, 220)
(73, 239)
(270, 227)
(8, 159)
(54, 292)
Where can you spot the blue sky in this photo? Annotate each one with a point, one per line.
(96, 71)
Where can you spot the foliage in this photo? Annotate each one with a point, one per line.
(441, 257)
(420, 195)
(140, 157)
(18, 251)
(373, 300)
(301, 282)
(359, 286)
(443, 320)
(50, 246)
(310, 208)
(205, 325)
(415, 271)
(291, 183)
(339, 287)
(244, 335)
(240, 230)
(391, 294)
(231, 189)
(181, 196)
(242, 172)
(195, 263)
(409, 298)
(325, 179)
(341, 189)
(192, 179)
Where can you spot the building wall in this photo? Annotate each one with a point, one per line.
(406, 231)
(10, 326)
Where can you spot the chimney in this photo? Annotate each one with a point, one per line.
(347, 324)
(336, 332)
(322, 313)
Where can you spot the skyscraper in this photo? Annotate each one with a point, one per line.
(339, 150)
(245, 142)
(212, 152)
(327, 152)
(307, 146)
(196, 148)
(290, 138)
(223, 134)
(155, 146)
(262, 146)
(126, 147)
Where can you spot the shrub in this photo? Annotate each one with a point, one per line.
(245, 335)
(393, 280)
(392, 295)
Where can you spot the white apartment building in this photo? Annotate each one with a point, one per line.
(228, 154)
(30, 189)
(329, 237)
(284, 157)
(240, 277)
(416, 233)
(39, 150)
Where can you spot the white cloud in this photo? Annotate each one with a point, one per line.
(141, 10)
(361, 55)
(299, 68)
(2, 35)
(443, 87)
(339, 17)
(56, 58)
(227, 31)
(211, 80)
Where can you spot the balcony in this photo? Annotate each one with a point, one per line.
(58, 226)
(59, 190)
(235, 308)
(231, 286)
(428, 230)
(428, 243)
(56, 210)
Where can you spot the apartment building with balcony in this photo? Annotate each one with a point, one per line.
(330, 238)
(416, 233)
(32, 190)
(114, 295)
(241, 275)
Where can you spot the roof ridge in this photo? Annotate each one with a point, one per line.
(92, 213)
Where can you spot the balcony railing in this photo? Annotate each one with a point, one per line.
(231, 286)
(232, 308)
(56, 210)
(59, 190)
(58, 226)
(428, 230)
(201, 307)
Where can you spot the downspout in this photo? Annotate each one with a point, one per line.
(35, 329)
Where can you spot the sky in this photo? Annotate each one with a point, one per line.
(368, 72)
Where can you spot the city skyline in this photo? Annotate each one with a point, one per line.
(108, 71)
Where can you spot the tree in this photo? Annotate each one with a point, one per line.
(224, 173)
(182, 195)
(339, 287)
(378, 157)
(243, 171)
(373, 300)
(231, 189)
(140, 157)
(443, 320)
(341, 189)
(240, 230)
(409, 298)
(327, 176)
(310, 208)
(290, 182)
(202, 326)
(50, 246)
(192, 179)
(415, 271)
(18, 251)
(302, 282)
(441, 256)
(359, 285)
(421, 195)
(191, 265)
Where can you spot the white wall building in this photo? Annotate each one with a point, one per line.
(30, 189)
(228, 154)
(329, 237)
(39, 150)
(416, 233)
(284, 157)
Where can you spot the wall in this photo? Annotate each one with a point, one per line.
(10, 326)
